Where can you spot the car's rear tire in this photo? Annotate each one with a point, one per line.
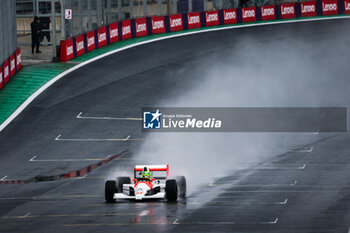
(110, 189)
(171, 190)
(181, 183)
(122, 180)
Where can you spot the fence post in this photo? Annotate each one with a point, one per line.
(174, 6)
(119, 9)
(80, 18)
(63, 26)
(53, 16)
(89, 15)
(131, 9)
(144, 5)
(159, 7)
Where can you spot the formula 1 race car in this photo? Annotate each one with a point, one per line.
(159, 186)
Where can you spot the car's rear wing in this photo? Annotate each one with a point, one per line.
(157, 171)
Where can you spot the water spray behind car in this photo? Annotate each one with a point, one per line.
(266, 76)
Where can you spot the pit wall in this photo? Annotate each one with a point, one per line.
(126, 29)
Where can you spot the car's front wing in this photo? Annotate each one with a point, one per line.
(123, 196)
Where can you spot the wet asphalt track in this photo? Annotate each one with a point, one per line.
(305, 190)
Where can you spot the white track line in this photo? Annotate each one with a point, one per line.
(284, 202)
(295, 183)
(58, 77)
(79, 177)
(26, 215)
(281, 150)
(306, 150)
(264, 185)
(128, 138)
(274, 222)
(79, 116)
(3, 178)
(226, 223)
(280, 168)
(66, 160)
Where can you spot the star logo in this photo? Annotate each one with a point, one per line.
(151, 120)
(156, 115)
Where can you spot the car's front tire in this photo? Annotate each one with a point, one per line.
(171, 190)
(110, 189)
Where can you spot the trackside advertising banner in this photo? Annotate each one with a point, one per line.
(268, 13)
(308, 9)
(101, 36)
(347, 6)
(329, 7)
(141, 27)
(230, 16)
(194, 20)
(18, 59)
(113, 32)
(287, 11)
(12, 65)
(158, 25)
(176, 23)
(248, 14)
(67, 52)
(79, 45)
(1, 77)
(211, 18)
(90, 41)
(126, 29)
(6, 71)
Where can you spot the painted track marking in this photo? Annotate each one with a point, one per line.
(272, 222)
(128, 138)
(281, 168)
(79, 116)
(3, 178)
(79, 177)
(28, 215)
(247, 185)
(248, 203)
(33, 159)
(306, 150)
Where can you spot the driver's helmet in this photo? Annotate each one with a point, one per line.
(146, 174)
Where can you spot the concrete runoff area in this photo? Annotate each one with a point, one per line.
(301, 187)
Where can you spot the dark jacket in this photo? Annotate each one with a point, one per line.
(44, 22)
(35, 28)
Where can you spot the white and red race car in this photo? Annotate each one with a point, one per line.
(158, 187)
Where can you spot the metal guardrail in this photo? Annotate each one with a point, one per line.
(88, 15)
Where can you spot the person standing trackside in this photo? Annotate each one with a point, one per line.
(44, 27)
(35, 34)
